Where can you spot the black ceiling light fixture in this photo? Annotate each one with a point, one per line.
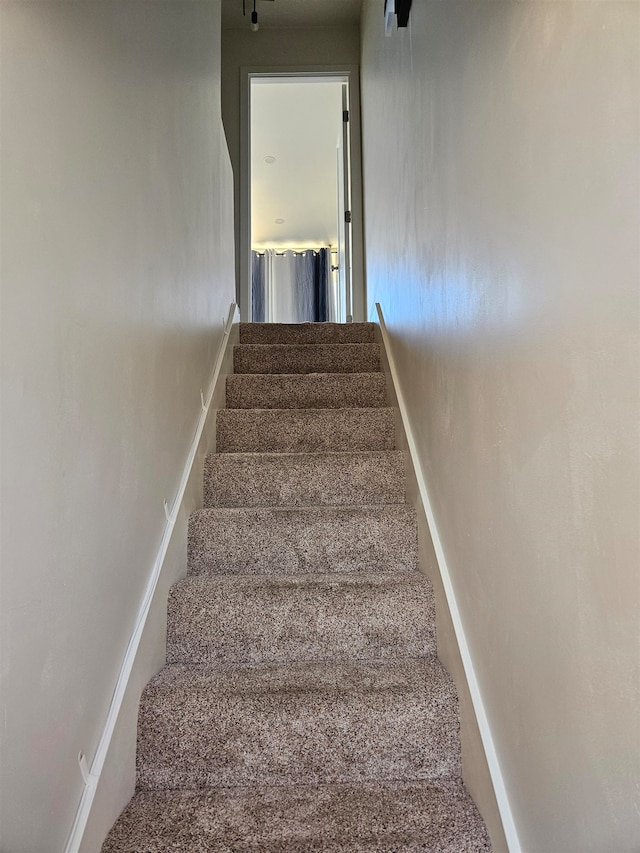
(403, 7)
(399, 8)
(254, 26)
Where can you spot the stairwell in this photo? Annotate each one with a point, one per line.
(302, 707)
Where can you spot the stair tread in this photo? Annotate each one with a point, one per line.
(275, 584)
(307, 332)
(306, 358)
(340, 455)
(303, 539)
(304, 430)
(303, 678)
(406, 817)
(301, 722)
(305, 390)
(285, 618)
(304, 479)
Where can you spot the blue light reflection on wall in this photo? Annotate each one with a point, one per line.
(454, 305)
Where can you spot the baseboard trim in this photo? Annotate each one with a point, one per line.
(502, 799)
(92, 777)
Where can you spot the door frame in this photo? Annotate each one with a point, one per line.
(352, 76)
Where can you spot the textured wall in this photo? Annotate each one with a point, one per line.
(117, 270)
(502, 219)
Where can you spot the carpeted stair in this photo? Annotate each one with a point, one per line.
(303, 707)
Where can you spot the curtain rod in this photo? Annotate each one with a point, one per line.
(292, 249)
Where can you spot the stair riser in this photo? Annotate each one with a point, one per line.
(213, 621)
(305, 431)
(198, 737)
(306, 391)
(303, 480)
(307, 333)
(267, 541)
(306, 358)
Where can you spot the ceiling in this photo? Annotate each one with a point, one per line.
(297, 124)
(292, 13)
(297, 128)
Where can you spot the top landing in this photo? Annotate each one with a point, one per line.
(307, 333)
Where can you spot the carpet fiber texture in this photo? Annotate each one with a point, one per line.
(308, 391)
(304, 540)
(304, 479)
(303, 706)
(304, 430)
(306, 358)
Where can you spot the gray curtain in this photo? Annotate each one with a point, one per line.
(290, 287)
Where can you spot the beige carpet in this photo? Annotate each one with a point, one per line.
(303, 707)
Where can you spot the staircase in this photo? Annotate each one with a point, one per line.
(302, 707)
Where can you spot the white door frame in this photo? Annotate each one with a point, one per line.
(351, 74)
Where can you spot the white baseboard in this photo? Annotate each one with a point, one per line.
(471, 686)
(92, 776)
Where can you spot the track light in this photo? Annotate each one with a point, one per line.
(254, 26)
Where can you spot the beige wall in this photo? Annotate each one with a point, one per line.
(117, 272)
(502, 220)
(273, 48)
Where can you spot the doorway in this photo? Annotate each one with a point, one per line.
(301, 234)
